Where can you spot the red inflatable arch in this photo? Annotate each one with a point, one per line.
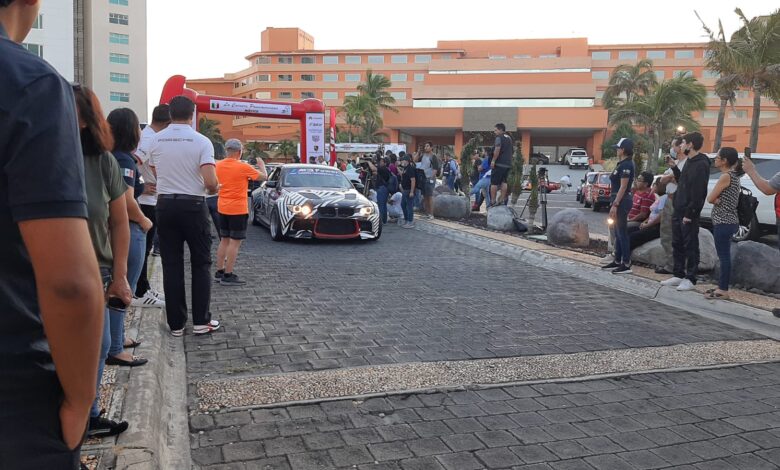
(310, 112)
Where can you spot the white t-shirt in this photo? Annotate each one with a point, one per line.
(142, 154)
(177, 153)
(671, 188)
(394, 205)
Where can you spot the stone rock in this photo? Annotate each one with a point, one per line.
(451, 206)
(442, 189)
(569, 227)
(653, 254)
(756, 266)
(501, 218)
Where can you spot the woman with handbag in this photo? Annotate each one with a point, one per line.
(725, 221)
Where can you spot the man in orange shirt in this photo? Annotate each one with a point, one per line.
(233, 175)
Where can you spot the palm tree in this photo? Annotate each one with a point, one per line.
(627, 82)
(255, 150)
(362, 113)
(208, 127)
(376, 87)
(286, 148)
(667, 105)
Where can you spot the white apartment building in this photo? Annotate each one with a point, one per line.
(99, 43)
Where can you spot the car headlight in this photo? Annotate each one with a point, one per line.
(366, 211)
(303, 210)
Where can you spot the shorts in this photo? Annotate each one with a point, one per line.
(428, 187)
(499, 176)
(233, 226)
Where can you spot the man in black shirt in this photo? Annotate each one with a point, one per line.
(51, 294)
(500, 165)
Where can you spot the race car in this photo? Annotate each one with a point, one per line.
(314, 201)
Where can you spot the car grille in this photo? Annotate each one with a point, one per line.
(335, 227)
(335, 211)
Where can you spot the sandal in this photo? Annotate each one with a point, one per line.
(134, 343)
(710, 291)
(718, 295)
(115, 361)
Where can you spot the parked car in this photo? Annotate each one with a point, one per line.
(545, 187)
(314, 201)
(585, 186)
(576, 157)
(539, 159)
(597, 195)
(767, 164)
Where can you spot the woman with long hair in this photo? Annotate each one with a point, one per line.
(725, 221)
(126, 131)
(108, 227)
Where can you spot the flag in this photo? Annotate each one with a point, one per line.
(332, 136)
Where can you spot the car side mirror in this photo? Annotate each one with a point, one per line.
(358, 185)
(582, 180)
(270, 184)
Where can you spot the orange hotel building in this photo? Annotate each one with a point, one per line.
(547, 91)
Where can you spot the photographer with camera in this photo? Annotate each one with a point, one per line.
(428, 163)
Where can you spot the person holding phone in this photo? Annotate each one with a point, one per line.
(768, 187)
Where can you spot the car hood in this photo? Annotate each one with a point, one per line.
(326, 195)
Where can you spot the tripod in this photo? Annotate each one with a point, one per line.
(542, 198)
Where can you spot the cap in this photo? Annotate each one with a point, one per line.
(406, 157)
(233, 144)
(625, 144)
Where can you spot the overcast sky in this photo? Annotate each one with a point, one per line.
(223, 33)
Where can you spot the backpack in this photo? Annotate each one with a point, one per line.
(421, 179)
(392, 185)
(436, 165)
(746, 207)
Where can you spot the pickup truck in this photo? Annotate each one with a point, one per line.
(576, 158)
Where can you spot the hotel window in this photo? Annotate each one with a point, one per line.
(398, 77)
(119, 77)
(285, 94)
(422, 59)
(712, 95)
(263, 78)
(352, 77)
(660, 75)
(38, 24)
(284, 78)
(656, 55)
(684, 54)
(548, 56)
(330, 95)
(308, 59)
(709, 114)
(600, 75)
(399, 95)
(330, 77)
(352, 59)
(740, 114)
(682, 73)
(399, 59)
(263, 60)
(599, 94)
(768, 115)
(36, 49)
(497, 57)
(446, 57)
(601, 55)
(307, 77)
(117, 18)
(115, 58)
(521, 56)
(351, 93)
(627, 55)
(419, 77)
(744, 94)
(330, 60)
(118, 2)
(119, 96)
(116, 38)
(376, 59)
(710, 74)
(263, 95)
(307, 94)
(285, 59)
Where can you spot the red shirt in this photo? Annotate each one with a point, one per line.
(641, 203)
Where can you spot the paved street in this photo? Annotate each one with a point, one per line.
(410, 298)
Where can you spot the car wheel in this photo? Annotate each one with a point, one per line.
(587, 204)
(596, 207)
(378, 234)
(255, 222)
(276, 227)
(752, 232)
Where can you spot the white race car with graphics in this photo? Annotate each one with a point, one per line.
(314, 201)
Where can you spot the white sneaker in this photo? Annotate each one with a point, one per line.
(147, 301)
(213, 325)
(672, 282)
(157, 294)
(430, 217)
(686, 284)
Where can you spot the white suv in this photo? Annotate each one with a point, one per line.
(576, 157)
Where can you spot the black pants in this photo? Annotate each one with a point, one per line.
(641, 236)
(181, 221)
(212, 203)
(685, 247)
(143, 280)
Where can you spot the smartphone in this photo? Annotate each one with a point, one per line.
(747, 152)
(116, 303)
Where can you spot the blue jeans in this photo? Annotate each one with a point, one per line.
(105, 345)
(381, 200)
(417, 199)
(483, 184)
(407, 205)
(451, 181)
(622, 240)
(135, 262)
(723, 234)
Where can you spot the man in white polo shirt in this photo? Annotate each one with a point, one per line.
(184, 165)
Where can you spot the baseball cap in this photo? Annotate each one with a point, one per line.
(406, 157)
(233, 144)
(625, 144)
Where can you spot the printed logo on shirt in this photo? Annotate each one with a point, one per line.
(128, 173)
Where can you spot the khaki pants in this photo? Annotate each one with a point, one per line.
(666, 233)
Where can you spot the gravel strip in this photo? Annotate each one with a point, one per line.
(301, 386)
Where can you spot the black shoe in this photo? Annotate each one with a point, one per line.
(611, 265)
(776, 312)
(230, 279)
(219, 275)
(622, 269)
(103, 427)
(661, 270)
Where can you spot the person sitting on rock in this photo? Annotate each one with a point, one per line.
(650, 229)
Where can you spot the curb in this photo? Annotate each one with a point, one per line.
(731, 313)
(155, 402)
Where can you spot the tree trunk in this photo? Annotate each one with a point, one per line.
(719, 127)
(652, 159)
(756, 116)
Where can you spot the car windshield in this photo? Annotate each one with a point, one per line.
(766, 167)
(316, 178)
(591, 178)
(604, 179)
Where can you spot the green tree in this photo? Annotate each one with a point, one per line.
(210, 128)
(375, 87)
(465, 161)
(516, 174)
(255, 151)
(286, 148)
(668, 105)
(627, 82)
(533, 198)
(363, 112)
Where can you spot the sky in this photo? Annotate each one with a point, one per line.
(221, 34)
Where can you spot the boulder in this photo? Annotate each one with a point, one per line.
(652, 253)
(756, 266)
(451, 206)
(442, 189)
(569, 227)
(501, 218)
